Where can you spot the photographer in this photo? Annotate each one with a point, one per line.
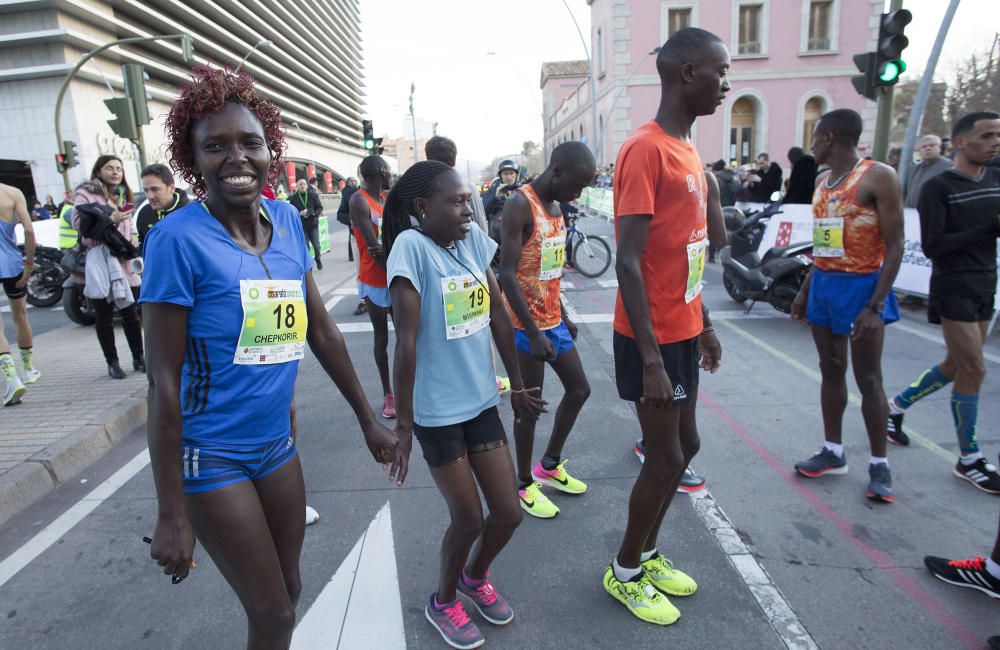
(306, 202)
(497, 195)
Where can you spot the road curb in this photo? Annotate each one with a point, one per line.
(62, 461)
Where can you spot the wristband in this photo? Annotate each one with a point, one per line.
(708, 329)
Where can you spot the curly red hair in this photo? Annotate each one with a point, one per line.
(207, 93)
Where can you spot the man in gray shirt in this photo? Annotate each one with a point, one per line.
(931, 164)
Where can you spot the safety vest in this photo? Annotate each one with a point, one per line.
(67, 236)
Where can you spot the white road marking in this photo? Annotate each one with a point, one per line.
(909, 329)
(773, 603)
(333, 301)
(345, 291)
(366, 582)
(65, 522)
(608, 284)
(566, 284)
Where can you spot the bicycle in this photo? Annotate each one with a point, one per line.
(589, 254)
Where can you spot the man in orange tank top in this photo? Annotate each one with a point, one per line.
(847, 298)
(661, 335)
(365, 208)
(531, 263)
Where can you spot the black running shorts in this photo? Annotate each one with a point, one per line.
(964, 309)
(680, 360)
(441, 445)
(10, 288)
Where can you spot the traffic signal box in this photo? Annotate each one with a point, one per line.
(882, 68)
(368, 135)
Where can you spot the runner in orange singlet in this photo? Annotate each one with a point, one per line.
(531, 263)
(847, 298)
(366, 220)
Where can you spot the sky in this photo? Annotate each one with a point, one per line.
(490, 104)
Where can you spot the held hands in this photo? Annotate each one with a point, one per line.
(798, 310)
(383, 444)
(397, 458)
(657, 391)
(173, 547)
(710, 350)
(867, 323)
(542, 348)
(526, 404)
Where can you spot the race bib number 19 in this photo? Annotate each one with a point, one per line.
(828, 237)
(553, 257)
(466, 306)
(274, 322)
(696, 269)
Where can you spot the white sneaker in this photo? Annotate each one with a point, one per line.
(15, 391)
(30, 376)
(311, 516)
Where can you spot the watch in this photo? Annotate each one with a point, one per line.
(877, 307)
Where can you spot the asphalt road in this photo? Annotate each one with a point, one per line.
(780, 560)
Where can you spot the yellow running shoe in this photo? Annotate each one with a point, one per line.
(558, 478)
(666, 578)
(535, 503)
(641, 598)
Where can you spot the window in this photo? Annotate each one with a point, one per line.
(750, 29)
(813, 110)
(819, 25)
(678, 19)
(600, 52)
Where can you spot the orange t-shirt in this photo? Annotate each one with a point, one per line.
(370, 271)
(662, 176)
(846, 235)
(539, 273)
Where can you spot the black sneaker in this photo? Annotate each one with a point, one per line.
(981, 474)
(964, 573)
(691, 482)
(825, 462)
(896, 433)
(362, 308)
(880, 485)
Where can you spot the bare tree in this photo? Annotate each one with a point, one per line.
(976, 86)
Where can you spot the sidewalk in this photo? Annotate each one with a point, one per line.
(75, 413)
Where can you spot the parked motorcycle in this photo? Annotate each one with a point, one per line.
(777, 277)
(45, 285)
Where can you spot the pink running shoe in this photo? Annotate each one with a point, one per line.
(484, 596)
(454, 625)
(389, 407)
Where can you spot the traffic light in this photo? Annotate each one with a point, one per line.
(187, 48)
(124, 123)
(135, 78)
(368, 135)
(61, 166)
(891, 43)
(378, 148)
(864, 83)
(70, 154)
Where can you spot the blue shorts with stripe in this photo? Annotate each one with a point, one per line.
(210, 469)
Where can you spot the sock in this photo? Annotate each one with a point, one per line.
(624, 573)
(894, 408)
(550, 462)
(7, 366)
(835, 448)
(965, 412)
(875, 460)
(439, 606)
(471, 582)
(26, 358)
(929, 381)
(645, 556)
(993, 568)
(969, 459)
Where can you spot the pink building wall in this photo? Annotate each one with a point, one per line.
(779, 81)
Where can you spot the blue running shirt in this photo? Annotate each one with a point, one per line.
(190, 260)
(454, 380)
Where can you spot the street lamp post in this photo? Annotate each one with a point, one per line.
(597, 146)
(187, 51)
(624, 88)
(261, 44)
(413, 122)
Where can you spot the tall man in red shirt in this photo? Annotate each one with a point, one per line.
(662, 334)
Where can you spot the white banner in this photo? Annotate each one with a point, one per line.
(794, 225)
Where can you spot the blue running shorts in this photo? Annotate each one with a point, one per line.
(378, 295)
(559, 335)
(210, 469)
(836, 299)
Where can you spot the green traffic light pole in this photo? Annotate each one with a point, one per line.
(883, 119)
(187, 50)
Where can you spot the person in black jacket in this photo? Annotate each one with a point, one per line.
(306, 201)
(802, 180)
(161, 195)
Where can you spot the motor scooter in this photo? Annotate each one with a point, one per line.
(777, 277)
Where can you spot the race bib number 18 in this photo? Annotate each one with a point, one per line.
(274, 322)
(696, 269)
(466, 306)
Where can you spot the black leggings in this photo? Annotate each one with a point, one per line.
(312, 236)
(105, 312)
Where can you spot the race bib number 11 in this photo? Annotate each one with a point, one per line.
(553, 257)
(466, 305)
(274, 322)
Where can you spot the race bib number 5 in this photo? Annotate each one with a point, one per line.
(828, 237)
(696, 269)
(274, 322)
(553, 257)
(466, 305)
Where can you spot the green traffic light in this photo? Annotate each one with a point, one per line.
(369, 144)
(892, 70)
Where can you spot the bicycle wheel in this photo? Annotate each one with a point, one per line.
(591, 255)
